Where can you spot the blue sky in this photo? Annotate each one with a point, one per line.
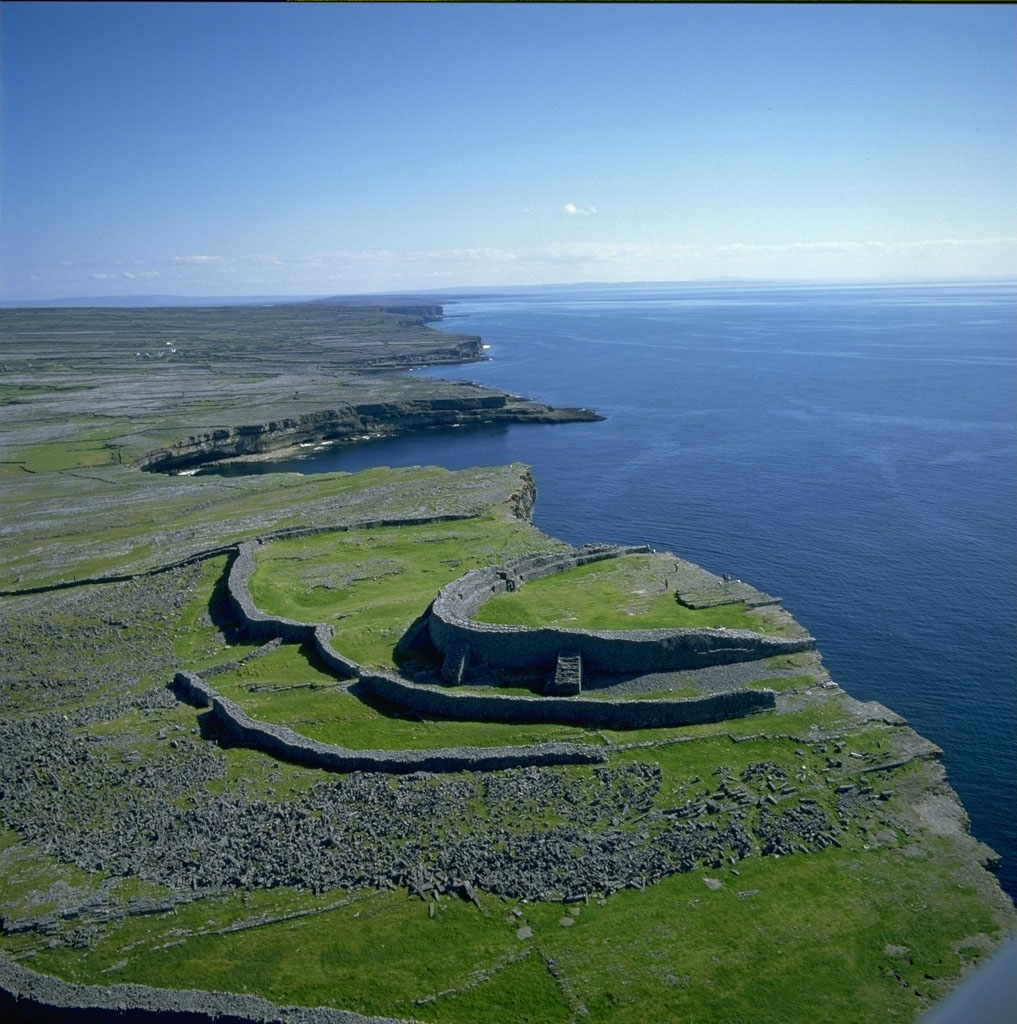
(244, 149)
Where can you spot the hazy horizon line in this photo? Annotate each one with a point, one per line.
(154, 299)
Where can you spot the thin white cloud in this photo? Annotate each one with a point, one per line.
(578, 211)
(473, 255)
(349, 271)
(125, 275)
(854, 248)
(198, 259)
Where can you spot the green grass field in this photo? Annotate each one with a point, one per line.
(880, 944)
(284, 688)
(875, 930)
(372, 584)
(618, 593)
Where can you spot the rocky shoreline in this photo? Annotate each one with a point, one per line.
(353, 423)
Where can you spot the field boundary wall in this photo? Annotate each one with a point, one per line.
(239, 729)
(27, 996)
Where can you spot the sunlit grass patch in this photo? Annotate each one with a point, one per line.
(629, 592)
(877, 945)
(92, 443)
(372, 584)
(33, 883)
(740, 952)
(341, 718)
(373, 953)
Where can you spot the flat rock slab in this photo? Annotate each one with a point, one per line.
(725, 592)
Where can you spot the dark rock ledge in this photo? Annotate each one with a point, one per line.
(350, 423)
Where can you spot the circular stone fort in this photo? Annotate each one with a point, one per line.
(564, 654)
(454, 666)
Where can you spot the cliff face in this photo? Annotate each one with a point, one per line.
(349, 422)
(459, 350)
(523, 500)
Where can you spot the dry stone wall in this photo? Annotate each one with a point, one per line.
(239, 729)
(452, 627)
(258, 625)
(28, 997)
(624, 714)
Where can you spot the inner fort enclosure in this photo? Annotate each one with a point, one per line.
(455, 631)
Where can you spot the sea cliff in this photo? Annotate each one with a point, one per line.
(351, 423)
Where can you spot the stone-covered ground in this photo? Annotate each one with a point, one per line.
(148, 799)
(64, 782)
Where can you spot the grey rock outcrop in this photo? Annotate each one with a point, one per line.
(351, 422)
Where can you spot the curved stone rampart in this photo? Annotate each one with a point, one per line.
(342, 666)
(452, 628)
(258, 625)
(623, 714)
(604, 651)
(239, 729)
(460, 600)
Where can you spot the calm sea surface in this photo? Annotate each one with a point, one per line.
(853, 449)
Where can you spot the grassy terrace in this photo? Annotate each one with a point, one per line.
(630, 592)
(284, 688)
(372, 584)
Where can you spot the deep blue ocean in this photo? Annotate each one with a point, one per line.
(852, 449)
